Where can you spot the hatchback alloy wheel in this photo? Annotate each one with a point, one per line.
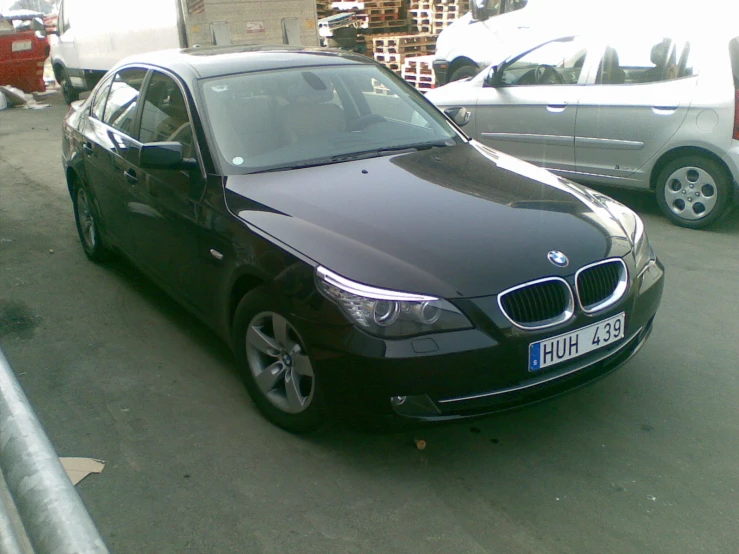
(693, 191)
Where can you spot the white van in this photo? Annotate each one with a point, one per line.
(473, 41)
(95, 34)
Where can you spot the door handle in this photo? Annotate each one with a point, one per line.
(87, 147)
(664, 110)
(557, 108)
(130, 176)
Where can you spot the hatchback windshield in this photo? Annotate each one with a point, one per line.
(299, 117)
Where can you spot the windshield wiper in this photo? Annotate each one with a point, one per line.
(363, 155)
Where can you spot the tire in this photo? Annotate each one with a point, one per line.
(69, 93)
(88, 229)
(464, 72)
(693, 191)
(276, 367)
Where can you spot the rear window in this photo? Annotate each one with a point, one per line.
(734, 52)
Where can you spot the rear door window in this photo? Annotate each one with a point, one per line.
(98, 104)
(120, 109)
(645, 59)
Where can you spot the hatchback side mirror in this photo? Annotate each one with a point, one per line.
(165, 155)
(460, 116)
(492, 79)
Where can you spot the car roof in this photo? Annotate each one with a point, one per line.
(213, 61)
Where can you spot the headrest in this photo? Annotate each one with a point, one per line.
(659, 52)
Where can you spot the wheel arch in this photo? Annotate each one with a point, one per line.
(242, 286)
(459, 62)
(680, 152)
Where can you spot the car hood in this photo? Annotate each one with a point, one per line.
(461, 221)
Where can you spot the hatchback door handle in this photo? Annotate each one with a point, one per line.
(557, 108)
(664, 110)
(130, 176)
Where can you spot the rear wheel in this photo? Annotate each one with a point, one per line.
(87, 226)
(275, 364)
(69, 93)
(693, 191)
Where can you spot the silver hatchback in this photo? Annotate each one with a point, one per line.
(642, 110)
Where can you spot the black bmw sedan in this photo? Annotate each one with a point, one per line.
(353, 246)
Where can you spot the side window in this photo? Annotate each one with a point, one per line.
(63, 19)
(120, 109)
(515, 5)
(98, 104)
(164, 117)
(734, 53)
(559, 62)
(643, 59)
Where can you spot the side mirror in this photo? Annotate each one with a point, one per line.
(492, 79)
(479, 9)
(460, 116)
(165, 155)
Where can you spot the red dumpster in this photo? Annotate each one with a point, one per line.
(22, 57)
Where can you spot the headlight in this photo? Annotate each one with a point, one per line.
(634, 227)
(389, 313)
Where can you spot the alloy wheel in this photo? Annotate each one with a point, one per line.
(277, 360)
(86, 219)
(691, 193)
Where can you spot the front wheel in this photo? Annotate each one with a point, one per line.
(464, 72)
(693, 191)
(276, 366)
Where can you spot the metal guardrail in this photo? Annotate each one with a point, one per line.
(40, 511)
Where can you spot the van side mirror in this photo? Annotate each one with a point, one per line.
(460, 116)
(165, 155)
(479, 9)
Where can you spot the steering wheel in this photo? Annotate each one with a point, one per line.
(547, 75)
(365, 121)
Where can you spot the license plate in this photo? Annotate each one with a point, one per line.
(564, 347)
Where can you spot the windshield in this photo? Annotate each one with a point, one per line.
(298, 117)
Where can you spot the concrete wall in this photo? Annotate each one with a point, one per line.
(250, 21)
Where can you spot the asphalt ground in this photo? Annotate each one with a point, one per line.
(643, 461)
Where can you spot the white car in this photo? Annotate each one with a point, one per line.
(642, 110)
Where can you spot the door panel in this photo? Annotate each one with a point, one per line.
(621, 127)
(531, 111)
(638, 99)
(536, 124)
(164, 204)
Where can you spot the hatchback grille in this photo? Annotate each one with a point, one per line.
(601, 285)
(538, 304)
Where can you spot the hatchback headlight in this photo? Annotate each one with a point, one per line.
(388, 313)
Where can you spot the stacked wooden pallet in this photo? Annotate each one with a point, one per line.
(419, 72)
(447, 11)
(422, 16)
(392, 50)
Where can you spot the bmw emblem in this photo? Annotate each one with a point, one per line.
(558, 258)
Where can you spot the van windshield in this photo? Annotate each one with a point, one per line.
(285, 119)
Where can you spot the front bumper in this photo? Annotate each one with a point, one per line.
(471, 372)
